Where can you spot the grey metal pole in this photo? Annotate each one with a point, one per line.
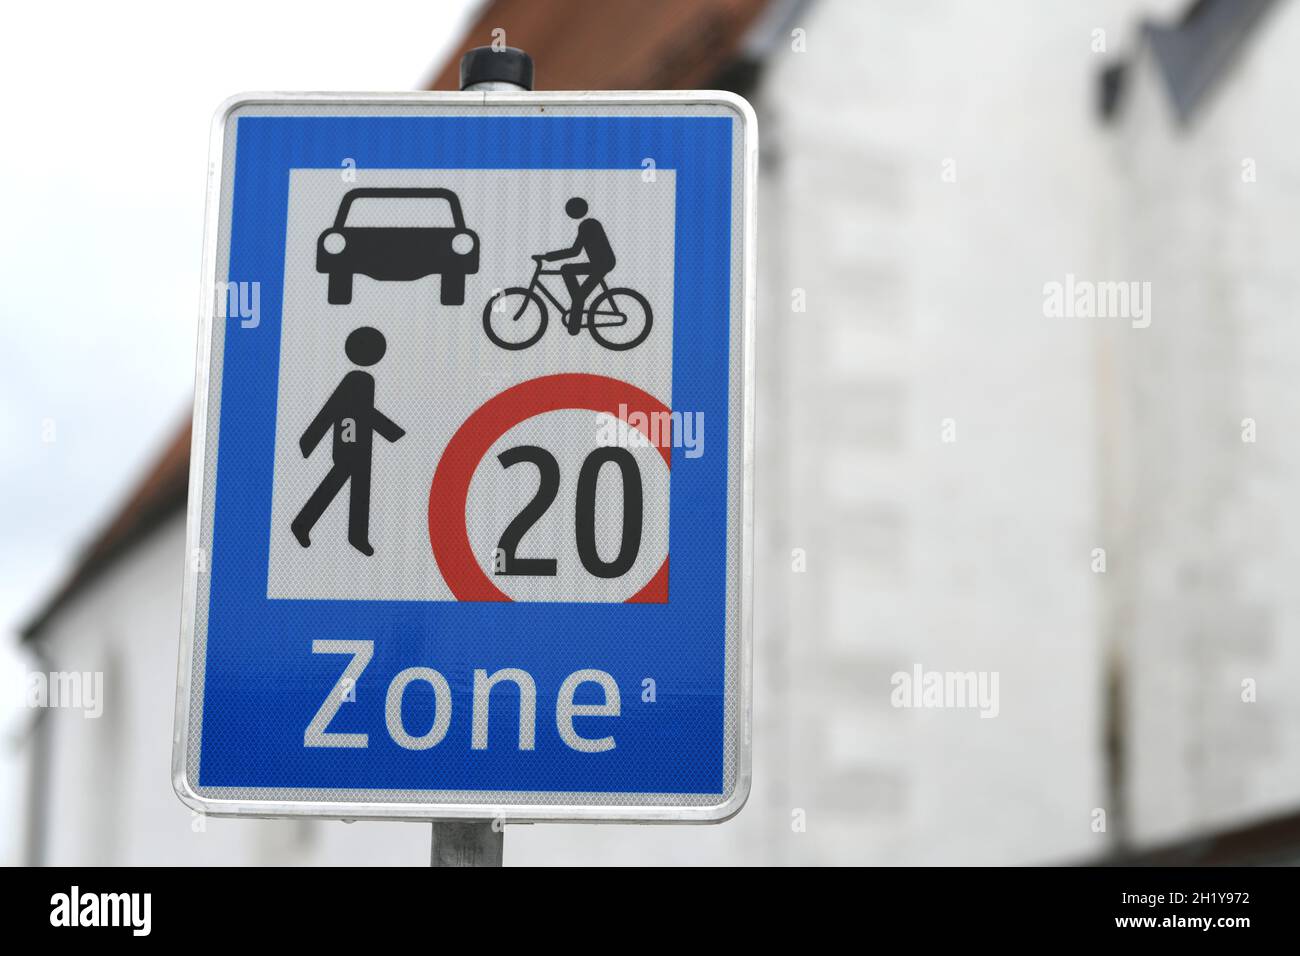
(481, 842)
(467, 843)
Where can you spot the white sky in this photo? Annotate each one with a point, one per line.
(103, 149)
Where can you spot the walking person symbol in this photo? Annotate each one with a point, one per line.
(351, 413)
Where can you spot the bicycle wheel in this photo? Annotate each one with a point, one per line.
(514, 318)
(620, 319)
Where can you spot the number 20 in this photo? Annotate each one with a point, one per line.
(548, 470)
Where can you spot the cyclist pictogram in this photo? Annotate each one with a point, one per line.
(619, 318)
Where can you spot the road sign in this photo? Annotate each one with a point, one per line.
(469, 515)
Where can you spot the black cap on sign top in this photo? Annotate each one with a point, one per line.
(483, 64)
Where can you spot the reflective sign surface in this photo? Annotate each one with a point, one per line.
(469, 522)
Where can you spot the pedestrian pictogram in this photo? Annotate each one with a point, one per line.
(351, 415)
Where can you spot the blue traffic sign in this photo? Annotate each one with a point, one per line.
(470, 514)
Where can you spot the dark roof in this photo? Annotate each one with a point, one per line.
(1192, 55)
(614, 44)
(1270, 842)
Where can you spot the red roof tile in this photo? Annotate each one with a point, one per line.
(614, 44)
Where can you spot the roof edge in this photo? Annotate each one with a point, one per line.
(161, 493)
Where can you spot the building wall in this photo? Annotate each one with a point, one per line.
(1210, 527)
(924, 304)
(110, 799)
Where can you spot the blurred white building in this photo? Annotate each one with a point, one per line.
(1202, 411)
(939, 460)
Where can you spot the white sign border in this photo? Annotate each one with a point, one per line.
(505, 812)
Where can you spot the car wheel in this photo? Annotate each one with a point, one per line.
(453, 288)
(340, 292)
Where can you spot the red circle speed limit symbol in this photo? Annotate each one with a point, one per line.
(449, 492)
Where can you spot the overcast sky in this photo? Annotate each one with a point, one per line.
(103, 165)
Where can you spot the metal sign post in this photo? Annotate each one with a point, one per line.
(466, 843)
(470, 511)
(478, 842)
